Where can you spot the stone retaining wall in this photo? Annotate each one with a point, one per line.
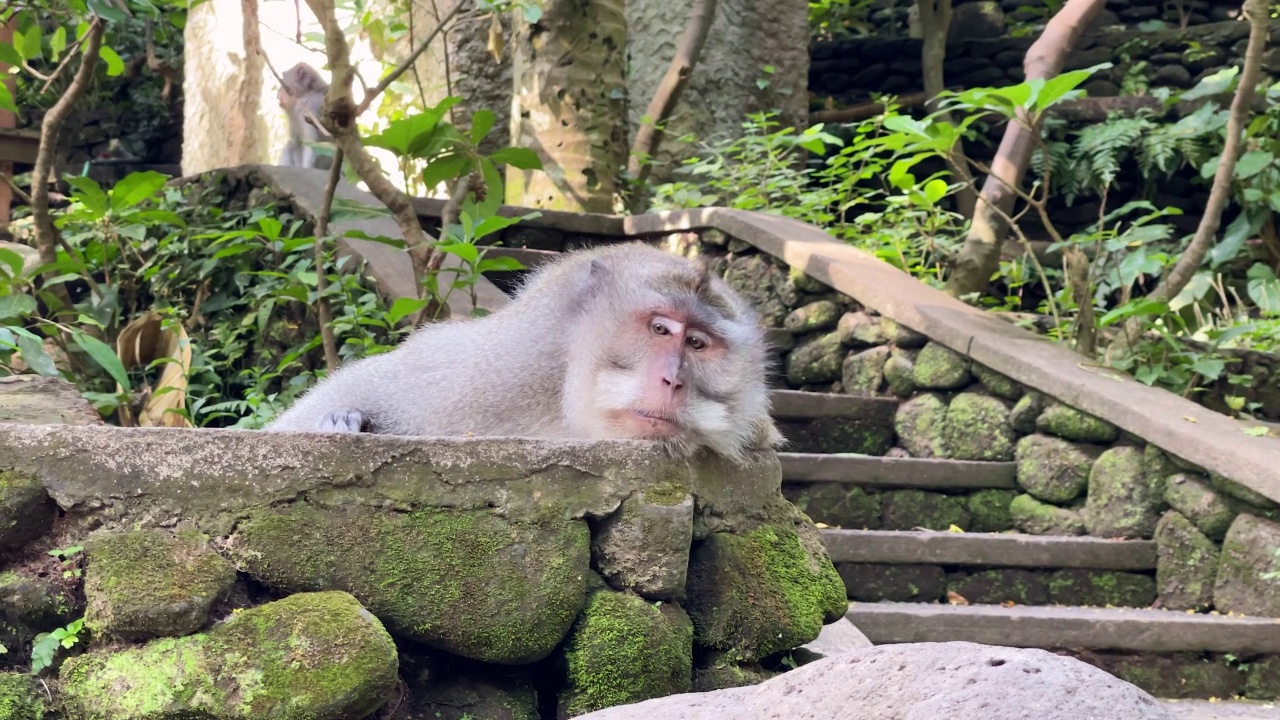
(292, 574)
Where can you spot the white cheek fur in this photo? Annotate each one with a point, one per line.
(617, 390)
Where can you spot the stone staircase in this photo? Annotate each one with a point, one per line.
(1088, 597)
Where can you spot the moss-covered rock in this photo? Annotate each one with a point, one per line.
(836, 504)
(644, 545)
(715, 671)
(312, 656)
(909, 509)
(920, 423)
(1257, 502)
(35, 603)
(977, 428)
(1072, 424)
(1100, 588)
(468, 582)
(869, 434)
(1186, 564)
(151, 583)
(805, 283)
(898, 371)
(1191, 495)
(815, 316)
(863, 372)
(762, 283)
(1038, 518)
(858, 329)
(999, 385)
(1119, 503)
(469, 691)
(1053, 469)
(992, 587)
(754, 593)
(877, 582)
(1026, 411)
(1262, 678)
(624, 649)
(1248, 580)
(816, 360)
(938, 367)
(20, 697)
(26, 510)
(1178, 676)
(989, 510)
(1156, 468)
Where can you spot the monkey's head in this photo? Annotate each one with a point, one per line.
(662, 350)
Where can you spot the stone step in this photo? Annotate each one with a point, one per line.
(1126, 629)
(906, 547)
(798, 404)
(1222, 710)
(876, 471)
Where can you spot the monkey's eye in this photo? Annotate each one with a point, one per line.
(697, 342)
(659, 328)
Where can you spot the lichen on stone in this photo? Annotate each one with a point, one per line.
(1038, 518)
(1072, 424)
(977, 428)
(20, 698)
(938, 367)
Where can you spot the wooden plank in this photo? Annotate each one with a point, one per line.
(874, 471)
(905, 547)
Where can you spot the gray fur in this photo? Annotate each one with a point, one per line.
(532, 368)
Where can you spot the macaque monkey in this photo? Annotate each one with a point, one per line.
(624, 341)
(303, 88)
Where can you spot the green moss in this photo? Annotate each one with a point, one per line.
(26, 510)
(753, 594)
(666, 493)
(1038, 518)
(19, 698)
(1101, 588)
(977, 428)
(468, 582)
(908, 509)
(624, 649)
(989, 510)
(309, 655)
(940, 368)
(1072, 424)
(835, 504)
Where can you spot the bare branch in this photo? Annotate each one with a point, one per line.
(324, 312)
(400, 69)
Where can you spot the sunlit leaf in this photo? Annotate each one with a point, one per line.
(103, 355)
(404, 307)
(1264, 288)
(522, 158)
(1252, 163)
(16, 305)
(481, 123)
(89, 193)
(136, 187)
(445, 168)
(115, 65)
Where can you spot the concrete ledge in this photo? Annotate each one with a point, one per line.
(1138, 630)
(903, 547)
(875, 471)
(796, 404)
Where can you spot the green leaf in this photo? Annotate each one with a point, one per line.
(1214, 84)
(33, 354)
(1210, 367)
(404, 307)
(107, 10)
(464, 250)
(13, 261)
(115, 66)
(1252, 163)
(499, 263)
(935, 190)
(32, 42)
(58, 42)
(522, 158)
(1141, 306)
(9, 55)
(406, 135)
(481, 123)
(89, 193)
(1244, 226)
(1056, 88)
(103, 355)
(16, 305)
(445, 168)
(532, 12)
(135, 188)
(1264, 288)
(494, 223)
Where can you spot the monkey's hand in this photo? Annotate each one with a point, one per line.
(347, 420)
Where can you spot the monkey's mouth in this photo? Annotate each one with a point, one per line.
(652, 424)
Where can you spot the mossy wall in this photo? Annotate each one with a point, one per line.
(234, 574)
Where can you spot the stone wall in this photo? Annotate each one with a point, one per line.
(893, 18)
(301, 576)
(1075, 474)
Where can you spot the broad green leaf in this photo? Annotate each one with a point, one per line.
(33, 354)
(107, 10)
(1210, 367)
(1056, 88)
(135, 188)
(1264, 288)
(445, 168)
(481, 123)
(103, 355)
(1141, 306)
(522, 158)
(464, 250)
(499, 263)
(270, 227)
(1252, 163)
(89, 193)
(404, 307)
(1200, 284)
(115, 66)
(404, 134)
(1218, 82)
(9, 55)
(16, 305)
(12, 260)
(6, 99)
(494, 223)
(32, 42)
(58, 41)
(1244, 226)
(493, 190)
(935, 190)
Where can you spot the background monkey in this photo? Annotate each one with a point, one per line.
(625, 341)
(305, 88)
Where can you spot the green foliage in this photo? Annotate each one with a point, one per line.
(46, 645)
(67, 556)
(834, 19)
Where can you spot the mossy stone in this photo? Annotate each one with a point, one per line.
(820, 315)
(859, 329)
(989, 510)
(755, 593)
(1072, 424)
(921, 423)
(1119, 502)
(836, 504)
(311, 656)
(909, 509)
(863, 372)
(1186, 564)
(1000, 385)
(1262, 679)
(992, 587)
(625, 649)
(1100, 588)
(1191, 495)
(465, 581)
(1052, 469)
(20, 697)
(938, 367)
(882, 582)
(816, 360)
(150, 583)
(1026, 411)
(898, 371)
(1178, 676)
(26, 510)
(977, 428)
(716, 672)
(1039, 518)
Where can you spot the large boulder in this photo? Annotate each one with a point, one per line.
(918, 681)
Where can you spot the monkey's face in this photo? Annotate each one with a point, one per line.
(677, 370)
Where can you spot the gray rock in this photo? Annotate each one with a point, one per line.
(644, 546)
(1053, 469)
(1247, 579)
(1191, 495)
(1186, 564)
(863, 372)
(941, 368)
(858, 329)
(1119, 502)
(1025, 412)
(36, 400)
(876, 582)
(806, 283)
(898, 370)
(918, 681)
(1067, 422)
(761, 282)
(906, 338)
(1037, 518)
(838, 638)
(26, 510)
(817, 360)
(997, 383)
(919, 423)
(820, 315)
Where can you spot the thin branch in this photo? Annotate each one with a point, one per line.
(400, 69)
(323, 310)
(688, 50)
(50, 128)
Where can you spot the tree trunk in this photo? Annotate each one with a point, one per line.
(979, 259)
(935, 25)
(569, 73)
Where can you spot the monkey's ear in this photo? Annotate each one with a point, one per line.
(598, 275)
